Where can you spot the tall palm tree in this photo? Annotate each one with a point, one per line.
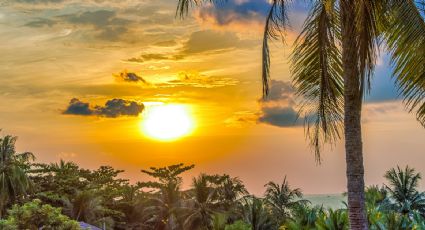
(404, 192)
(14, 181)
(283, 199)
(332, 66)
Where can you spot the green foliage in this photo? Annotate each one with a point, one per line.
(403, 190)
(333, 220)
(214, 202)
(238, 225)
(35, 215)
(14, 181)
(282, 199)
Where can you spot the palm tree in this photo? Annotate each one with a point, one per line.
(403, 190)
(14, 181)
(85, 206)
(282, 199)
(332, 65)
(333, 220)
(162, 209)
(202, 205)
(254, 212)
(229, 191)
(304, 218)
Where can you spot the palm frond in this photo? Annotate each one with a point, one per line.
(405, 37)
(276, 24)
(367, 16)
(317, 75)
(183, 6)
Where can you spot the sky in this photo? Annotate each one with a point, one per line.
(80, 81)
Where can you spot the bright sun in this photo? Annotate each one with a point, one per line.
(167, 122)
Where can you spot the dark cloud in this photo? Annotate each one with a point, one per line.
(278, 108)
(119, 107)
(279, 116)
(130, 77)
(235, 12)
(112, 108)
(78, 107)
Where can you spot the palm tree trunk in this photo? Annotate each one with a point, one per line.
(352, 123)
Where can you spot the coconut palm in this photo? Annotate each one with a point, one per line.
(333, 220)
(304, 217)
(229, 191)
(283, 199)
(162, 209)
(403, 190)
(14, 182)
(254, 212)
(332, 66)
(202, 204)
(85, 206)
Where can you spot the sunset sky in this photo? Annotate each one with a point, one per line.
(81, 81)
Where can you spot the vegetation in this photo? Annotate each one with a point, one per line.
(59, 195)
(332, 65)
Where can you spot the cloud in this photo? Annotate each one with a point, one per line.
(235, 15)
(241, 119)
(198, 80)
(112, 108)
(155, 57)
(167, 43)
(41, 22)
(279, 109)
(129, 77)
(77, 107)
(279, 116)
(210, 41)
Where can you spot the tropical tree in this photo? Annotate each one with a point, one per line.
(35, 215)
(304, 217)
(201, 205)
(403, 190)
(333, 220)
(282, 199)
(255, 213)
(229, 190)
(332, 66)
(162, 211)
(14, 181)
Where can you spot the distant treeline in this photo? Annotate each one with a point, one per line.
(63, 196)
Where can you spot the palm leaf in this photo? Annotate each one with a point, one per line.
(276, 23)
(183, 6)
(317, 75)
(405, 37)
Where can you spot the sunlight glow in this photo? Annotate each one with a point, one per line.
(167, 122)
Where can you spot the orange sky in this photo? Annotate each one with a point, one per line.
(137, 51)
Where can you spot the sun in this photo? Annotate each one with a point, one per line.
(167, 122)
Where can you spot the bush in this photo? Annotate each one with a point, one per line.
(238, 225)
(34, 215)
